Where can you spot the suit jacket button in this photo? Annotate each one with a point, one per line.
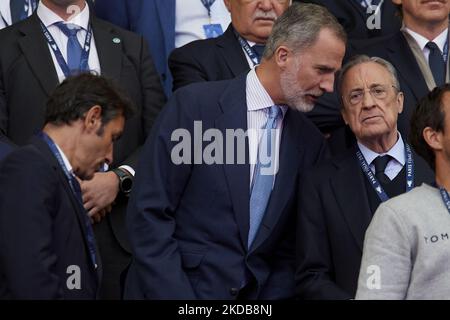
(234, 291)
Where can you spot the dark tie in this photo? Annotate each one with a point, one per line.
(375, 2)
(263, 177)
(259, 50)
(74, 49)
(380, 164)
(17, 10)
(89, 231)
(437, 64)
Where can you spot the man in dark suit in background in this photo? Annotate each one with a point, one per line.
(47, 245)
(233, 53)
(419, 51)
(202, 227)
(338, 198)
(30, 68)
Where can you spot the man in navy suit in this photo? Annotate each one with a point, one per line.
(47, 247)
(215, 219)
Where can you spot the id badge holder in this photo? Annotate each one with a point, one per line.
(212, 30)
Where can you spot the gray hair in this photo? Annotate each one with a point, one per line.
(299, 26)
(360, 59)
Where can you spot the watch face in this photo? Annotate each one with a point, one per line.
(125, 184)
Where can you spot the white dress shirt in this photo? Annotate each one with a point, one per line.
(440, 41)
(395, 165)
(258, 104)
(192, 15)
(49, 18)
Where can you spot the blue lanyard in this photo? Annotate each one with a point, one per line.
(376, 184)
(250, 52)
(208, 4)
(445, 197)
(32, 3)
(59, 57)
(90, 233)
(445, 52)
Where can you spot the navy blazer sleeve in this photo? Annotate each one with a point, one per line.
(314, 274)
(26, 228)
(159, 185)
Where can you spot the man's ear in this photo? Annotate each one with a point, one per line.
(282, 56)
(433, 138)
(93, 119)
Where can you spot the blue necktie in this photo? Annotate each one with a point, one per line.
(74, 49)
(89, 231)
(17, 8)
(437, 64)
(263, 177)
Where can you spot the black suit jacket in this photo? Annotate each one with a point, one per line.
(28, 77)
(333, 216)
(43, 231)
(188, 224)
(214, 59)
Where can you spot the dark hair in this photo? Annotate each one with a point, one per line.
(429, 113)
(77, 94)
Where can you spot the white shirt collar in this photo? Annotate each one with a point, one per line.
(65, 160)
(48, 17)
(258, 98)
(440, 40)
(397, 152)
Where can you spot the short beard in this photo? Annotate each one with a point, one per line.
(293, 94)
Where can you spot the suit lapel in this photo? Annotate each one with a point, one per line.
(290, 158)
(109, 48)
(402, 57)
(349, 189)
(234, 108)
(78, 209)
(35, 49)
(231, 52)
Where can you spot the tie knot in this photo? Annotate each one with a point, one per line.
(69, 29)
(259, 49)
(432, 46)
(380, 163)
(274, 112)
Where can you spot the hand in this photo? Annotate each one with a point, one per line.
(99, 193)
(97, 217)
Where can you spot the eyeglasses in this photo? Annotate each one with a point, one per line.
(378, 92)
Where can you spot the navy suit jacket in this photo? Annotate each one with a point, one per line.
(220, 58)
(153, 19)
(43, 232)
(353, 17)
(5, 148)
(188, 224)
(334, 213)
